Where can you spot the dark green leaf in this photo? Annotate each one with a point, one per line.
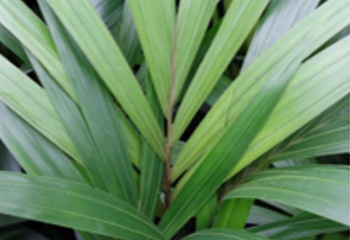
(322, 190)
(83, 208)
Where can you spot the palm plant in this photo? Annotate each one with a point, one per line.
(154, 119)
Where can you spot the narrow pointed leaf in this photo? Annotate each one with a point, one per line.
(83, 23)
(31, 103)
(78, 131)
(297, 227)
(325, 135)
(46, 53)
(199, 184)
(40, 198)
(35, 154)
(237, 24)
(279, 17)
(128, 40)
(224, 234)
(30, 30)
(323, 191)
(91, 94)
(152, 168)
(109, 10)
(228, 106)
(155, 22)
(193, 20)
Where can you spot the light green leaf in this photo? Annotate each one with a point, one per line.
(92, 94)
(239, 20)
(34, 153)
(152, 168)
(155, 21)
(325, 135)
(84, 208)
(31, 103)
(320, 190)
(89, 32)
(279, 17)
(193, 20)
(295, 99)
(199, 184)
(223, 234)
(33, 34)
(297, 227)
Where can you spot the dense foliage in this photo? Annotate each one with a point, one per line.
(163, 119)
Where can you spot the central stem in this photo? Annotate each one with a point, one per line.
(169, 144)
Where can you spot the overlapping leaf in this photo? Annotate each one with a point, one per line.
(199, 184)
(155, 23)
(228, 107)
(223, 234)
(83, 208)
(297, 227)
(238, 22)
(87, 29)
(99, 111)
(300, 187)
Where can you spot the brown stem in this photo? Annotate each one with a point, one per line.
(169, 144)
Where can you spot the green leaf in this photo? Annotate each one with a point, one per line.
(218, 90)
(84, 208)
(31, 103)
(128, 40)
(199, 184)
(279, 17)
(325, 135)
(295, 162)
(34, 35)
(110, 11)
(315, 72)
(320, 190)
(261, 215)
(223, 234)
(92, 94)
(233, 214)
(151, 166)
(34, 153)
(157, 41)
(104, 55)
(237, 24)
(193, 20)
(206, 214)
(12, 43)
(297, 227)
(78, 131)
(334, 236)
